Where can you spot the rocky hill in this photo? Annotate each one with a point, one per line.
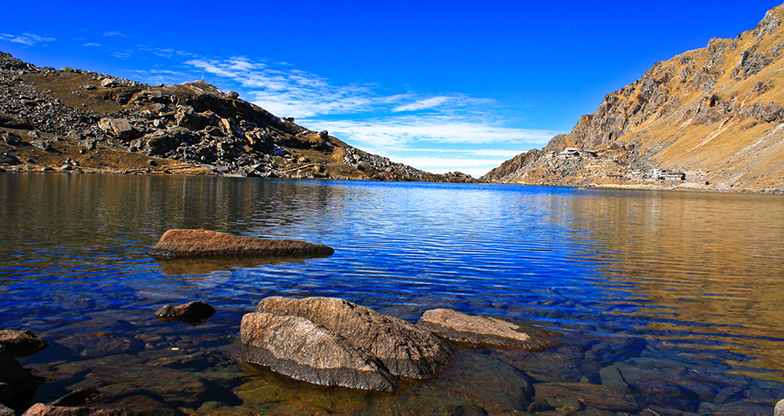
(80, 121)
(710, 118)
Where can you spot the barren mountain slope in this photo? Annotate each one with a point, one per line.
(80, 121)
(713, 114)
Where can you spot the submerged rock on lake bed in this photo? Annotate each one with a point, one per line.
(296, 347)
(333, 341)
(193, 243)
(194, 313)
(482, 331)
(17, 384)
(18, 344)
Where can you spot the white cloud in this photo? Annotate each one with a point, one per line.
(438, 129)
(423, 104)
(27, 39)
(437, 144)
(122, 54)
(91, 44)
(289, 92)
(114, 34)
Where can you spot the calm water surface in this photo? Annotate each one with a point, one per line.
(667, 302)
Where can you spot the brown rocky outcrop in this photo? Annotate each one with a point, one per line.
(342, 333)
(483, 331)
(194, 313)
(193, 243)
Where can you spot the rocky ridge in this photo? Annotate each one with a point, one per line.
(81, 121)
(706, 119)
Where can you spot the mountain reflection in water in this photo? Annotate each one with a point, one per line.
(669, 301)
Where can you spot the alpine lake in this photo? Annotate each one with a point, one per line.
(668, 303)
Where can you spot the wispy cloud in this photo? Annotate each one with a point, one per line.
(122, 54)
(290, 92)
(423, 104)
(437, 129)
(114, 34)
(27, 39)
(91, 44)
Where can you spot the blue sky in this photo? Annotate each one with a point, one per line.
(442, 86)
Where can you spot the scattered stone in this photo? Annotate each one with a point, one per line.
(191, 243)
(194, 313)
(17, 344)
(40, 409)
(44, 145)
(79, 397)
(779, 409)
(11, 138)
(109, 83)
(8, 159)
(598, 396)
(484, 331)
(13, 123)
(233, 94)
(119, 127)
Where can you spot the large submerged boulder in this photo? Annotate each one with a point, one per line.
(303, 328)
(405, 349)
(484, 331)
(194, 243)
(297, 347)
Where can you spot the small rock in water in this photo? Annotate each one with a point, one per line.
(484, 331)
(194, 313)
(18, 344)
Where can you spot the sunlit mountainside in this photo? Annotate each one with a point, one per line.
(709, 118)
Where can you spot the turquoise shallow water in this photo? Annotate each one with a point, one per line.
(674, 295)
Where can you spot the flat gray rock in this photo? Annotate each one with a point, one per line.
(483, 331)
(194, 243)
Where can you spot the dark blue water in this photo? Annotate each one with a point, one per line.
(679, 293)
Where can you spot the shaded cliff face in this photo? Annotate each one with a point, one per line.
(713, 114)
(75, 120)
